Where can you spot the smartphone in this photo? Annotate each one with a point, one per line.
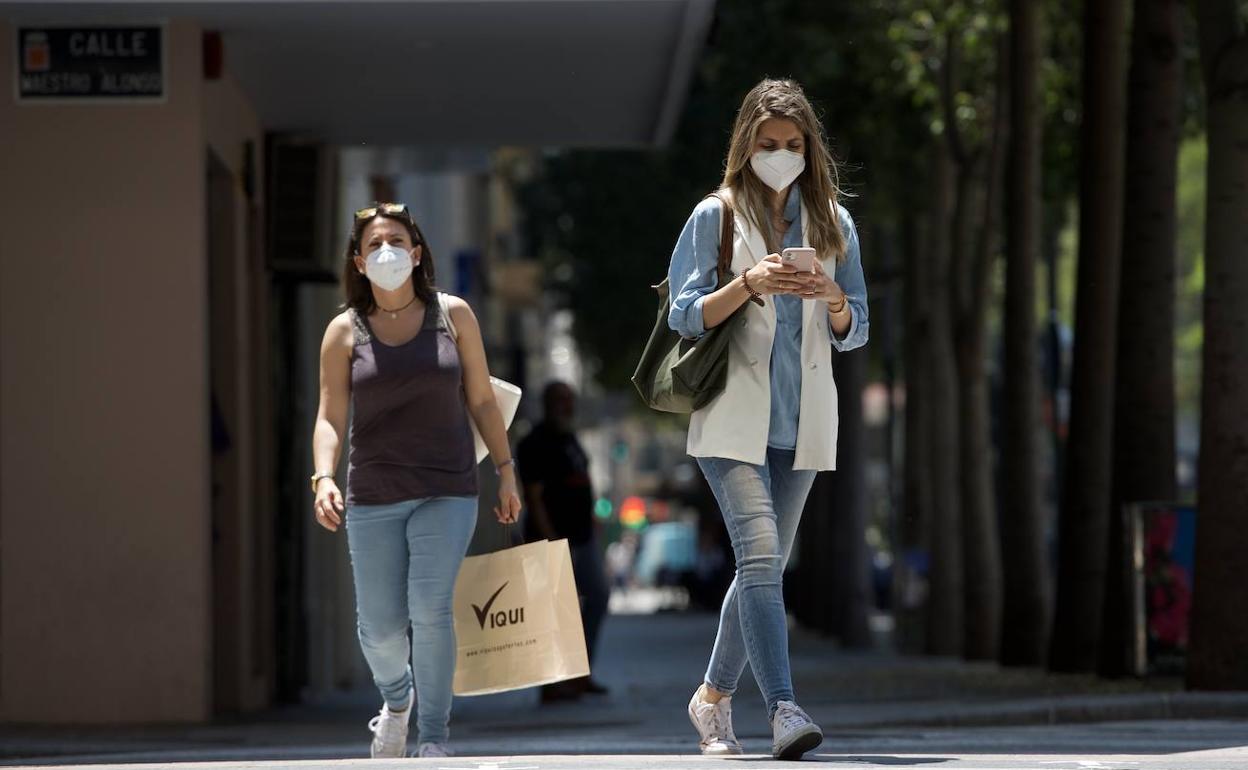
(801, 258)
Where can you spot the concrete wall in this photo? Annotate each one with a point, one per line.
(105, 552)
(242, 476)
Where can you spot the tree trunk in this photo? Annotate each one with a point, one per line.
(1219, 620)
(912, 574)
(1144, 408)
(886, 239)
(810, 593)
(832, 590)
(972, 287)
(1026, 582)
(945, 624)
(1085, 511)
(849, 564)
(981, 564)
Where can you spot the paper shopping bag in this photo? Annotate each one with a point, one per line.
(518, 620)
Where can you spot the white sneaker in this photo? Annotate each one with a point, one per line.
(434, 750)
(794, 733)
(714, 724)
(390, 731)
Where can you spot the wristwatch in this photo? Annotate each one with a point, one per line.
(316, 477)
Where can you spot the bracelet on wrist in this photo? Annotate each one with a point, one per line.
(317, 478)
(498, 469)
(755, 297)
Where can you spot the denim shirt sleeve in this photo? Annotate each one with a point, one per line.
(691, 275)
(854, 284)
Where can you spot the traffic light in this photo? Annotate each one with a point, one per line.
(633, 512)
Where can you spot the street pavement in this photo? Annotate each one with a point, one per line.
(877, 710)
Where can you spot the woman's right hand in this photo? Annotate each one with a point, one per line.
(328, 506)
(772, 276)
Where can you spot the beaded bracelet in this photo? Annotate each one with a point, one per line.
(755, 297)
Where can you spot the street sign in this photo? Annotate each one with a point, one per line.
(81, 64)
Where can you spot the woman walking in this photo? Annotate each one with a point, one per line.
(410, 385)
(761, 441)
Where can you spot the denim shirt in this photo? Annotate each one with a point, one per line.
(692, 277)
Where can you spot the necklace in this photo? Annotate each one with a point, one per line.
(395, 313)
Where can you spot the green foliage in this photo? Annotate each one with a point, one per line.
(1188, 314)
(1061, 94)
(604, 222)
(922, 32)
(1190, 267)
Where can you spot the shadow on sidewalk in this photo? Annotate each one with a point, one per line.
(873, 701)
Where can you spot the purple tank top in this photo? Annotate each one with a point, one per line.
(410, 436)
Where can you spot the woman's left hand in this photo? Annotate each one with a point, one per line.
(508, 508)
(824, 288)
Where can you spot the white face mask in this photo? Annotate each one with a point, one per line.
(778, 168)
(388, 267)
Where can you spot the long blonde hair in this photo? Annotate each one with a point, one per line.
(819, 181)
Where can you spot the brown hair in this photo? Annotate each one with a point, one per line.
(820, 182)
(357, 287)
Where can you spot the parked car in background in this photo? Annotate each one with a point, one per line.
(668, 554)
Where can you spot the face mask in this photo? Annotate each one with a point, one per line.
(778, 168)
(388, 267)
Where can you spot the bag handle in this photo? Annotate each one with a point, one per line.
(726, 216)
(446, 317)
(725, 244)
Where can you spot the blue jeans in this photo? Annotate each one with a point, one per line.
(761, 505)
(405, 558)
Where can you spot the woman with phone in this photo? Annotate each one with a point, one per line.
(410, 384)
(797, 272)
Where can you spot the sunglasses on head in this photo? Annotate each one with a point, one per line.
(389, 209)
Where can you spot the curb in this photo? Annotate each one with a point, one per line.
(1080, 708)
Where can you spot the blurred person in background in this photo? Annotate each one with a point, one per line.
(762, 440)
(620, 558)
(560, 500)
(410, 388)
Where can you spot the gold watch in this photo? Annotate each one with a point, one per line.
(316, 478)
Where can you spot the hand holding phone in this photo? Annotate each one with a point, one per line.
(800, 259)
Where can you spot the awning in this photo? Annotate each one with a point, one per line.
(602, 73)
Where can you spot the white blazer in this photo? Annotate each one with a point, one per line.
(734, 425)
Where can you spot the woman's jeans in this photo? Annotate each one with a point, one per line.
(405, 558)
(761, 505)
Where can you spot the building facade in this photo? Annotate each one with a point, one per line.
(167, 266)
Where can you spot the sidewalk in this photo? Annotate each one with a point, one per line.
(652, 664)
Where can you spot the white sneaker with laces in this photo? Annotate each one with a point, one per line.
(793, 732)
(713, 722)
(390, 731)
(434, 750)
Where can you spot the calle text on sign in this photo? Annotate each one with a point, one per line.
(59, 63)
